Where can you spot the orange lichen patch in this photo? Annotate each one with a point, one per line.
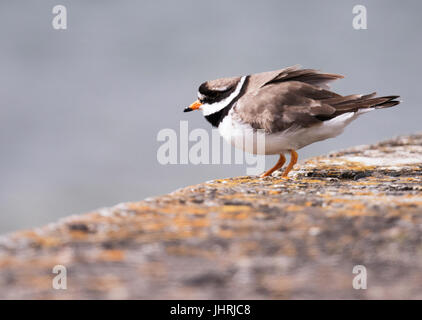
(366, 183)
(152, 226)
(363, 193)
(189, 251)
(349, 207)
(407, 204)
(194, 210)
(272, 192)
(242, 216)
(182, 222)
(98, 218)
(312, 181)
(230, 208)
(406, 197)
(243, 179)
(231, 182)
(78, 235)
(354, 213)
(111, 255)
(39, 239)
(330, 199)
(49, 241)
(357, 206)
(234, 215)
(293, 208)
(200, 223)
(410, 179)
(138, 207)
(225, 233)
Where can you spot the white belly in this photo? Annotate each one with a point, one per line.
(242, 136)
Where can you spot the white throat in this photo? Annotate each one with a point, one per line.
(208, 109)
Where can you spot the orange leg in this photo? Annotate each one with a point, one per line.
(293, 160)
(277, 166)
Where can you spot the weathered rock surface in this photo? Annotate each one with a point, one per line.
(243, 237)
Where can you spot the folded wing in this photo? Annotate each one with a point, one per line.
(280, 99)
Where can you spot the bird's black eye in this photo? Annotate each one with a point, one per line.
(201, 97)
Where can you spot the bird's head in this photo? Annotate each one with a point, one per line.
(215, 95)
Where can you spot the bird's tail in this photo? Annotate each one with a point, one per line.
(355, 103)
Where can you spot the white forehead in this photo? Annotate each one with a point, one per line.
(200, 96)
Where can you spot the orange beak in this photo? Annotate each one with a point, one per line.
(194, 106)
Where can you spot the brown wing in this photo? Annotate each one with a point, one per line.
(292, 96)
(277, 106)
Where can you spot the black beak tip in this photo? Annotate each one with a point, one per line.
(187, 109)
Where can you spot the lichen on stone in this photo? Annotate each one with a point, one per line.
(243, 237)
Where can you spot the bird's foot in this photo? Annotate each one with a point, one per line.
(265, 174)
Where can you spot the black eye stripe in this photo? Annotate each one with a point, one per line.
(213, 96)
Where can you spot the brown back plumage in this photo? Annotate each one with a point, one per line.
(276, 100)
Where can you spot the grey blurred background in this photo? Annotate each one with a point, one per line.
(81, 108)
